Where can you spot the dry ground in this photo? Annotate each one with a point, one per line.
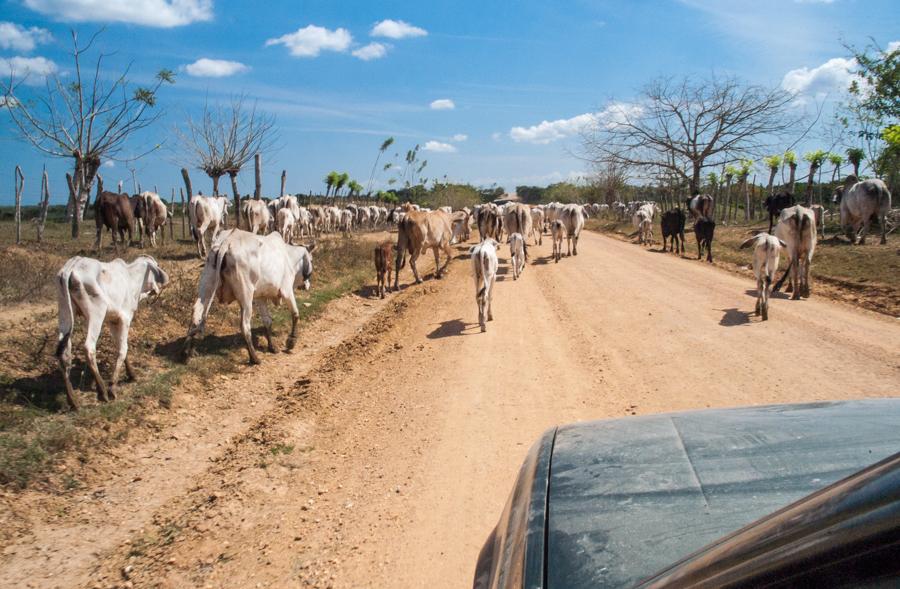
(382, 452)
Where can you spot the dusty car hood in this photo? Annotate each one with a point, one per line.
(628, 497)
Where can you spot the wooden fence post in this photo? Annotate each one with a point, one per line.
(20, 187)
(45, 204)
(183, 212)
(172, 217)
(257, 165)
(283, 181)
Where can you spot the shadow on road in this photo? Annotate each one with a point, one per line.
(450, 328)
(775, 294)
(734, 317)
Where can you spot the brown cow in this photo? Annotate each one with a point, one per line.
(420, 230)
(113, 211)
(383, 253)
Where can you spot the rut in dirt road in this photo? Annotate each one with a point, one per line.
(423, 421)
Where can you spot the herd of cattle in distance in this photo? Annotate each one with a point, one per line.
(262, 264)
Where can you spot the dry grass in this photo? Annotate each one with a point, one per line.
(867, 276)
(36, 430)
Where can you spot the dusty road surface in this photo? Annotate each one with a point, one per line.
(385, 460)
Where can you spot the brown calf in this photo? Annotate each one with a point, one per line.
(383, 253)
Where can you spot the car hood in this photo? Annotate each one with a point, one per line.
(628, 497)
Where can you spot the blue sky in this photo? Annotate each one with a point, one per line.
(340, 79)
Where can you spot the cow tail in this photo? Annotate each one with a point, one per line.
(484, 275)
(66, 312)
(216, 267)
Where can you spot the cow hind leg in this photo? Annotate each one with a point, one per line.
(64, 356)
(119, 332)
(266, 319)
(95, 323)
(246, 331)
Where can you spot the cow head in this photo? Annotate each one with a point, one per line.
(155, 278)
(305, 265)
(838, 195)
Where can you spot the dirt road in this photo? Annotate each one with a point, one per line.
(385, 460)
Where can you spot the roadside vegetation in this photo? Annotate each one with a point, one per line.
(37, 433)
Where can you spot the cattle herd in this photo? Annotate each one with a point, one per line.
(262, 264)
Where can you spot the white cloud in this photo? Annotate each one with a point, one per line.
(438, 147)
(497, 136)
(31, 69)
(550, 131)
(459, 137)
(312, 40)
(109, 164)
(442, 104)
(892, 46)
(17, 37)
(4, 100)
(215, 68)
(396, 29)
(151, 13)
(371, 51)
(832, 77)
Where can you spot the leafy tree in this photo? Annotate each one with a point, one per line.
(790, 159)
(341, 181)
(773, 162)
(330, 182)
(88, 117)
(836, 160)
(816, 159)
(855, 155)
(880, 72)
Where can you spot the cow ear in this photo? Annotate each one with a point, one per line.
(310, 247)
(782, 244)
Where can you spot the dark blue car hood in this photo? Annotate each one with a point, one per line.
(628, 497)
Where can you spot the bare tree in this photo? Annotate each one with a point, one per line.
(224, 139)
(86, 116)
(686, 125)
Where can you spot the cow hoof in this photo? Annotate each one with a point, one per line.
(483, 328)
(272, 350)
(254, 361)
(418, 281)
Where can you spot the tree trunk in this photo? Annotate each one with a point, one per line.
(257, 169)
(215, 180)
(727, 199)
(695, 179)
(283, 181)
(183, 212)
(45, 204)
(771, 184)
(237, 200)
(20, 187)
(187, 185)
(790, 187)
(856, 169)
(807, 201)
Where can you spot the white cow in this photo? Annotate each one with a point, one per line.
(860, 201)
(537, 225)
(766, 253)
(155, 216)
(643, 222)
(257, 214)
(284, 224)
(97, 290)
(573, 220)
(346, 223)
(484, 264)
(797, 229)
(244, 267)
(558, 234)
(207, 212)
(518, 254)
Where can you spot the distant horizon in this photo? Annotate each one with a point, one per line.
(492, 95)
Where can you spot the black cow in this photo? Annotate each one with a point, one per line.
(775, 203)
(704, 231)
(672, 225)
